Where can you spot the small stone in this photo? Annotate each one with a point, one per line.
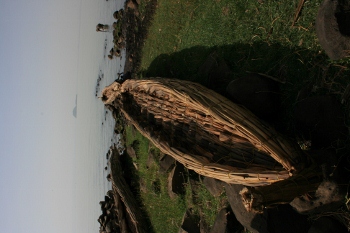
(176, 181)
(166, 163)
(332, 28)
(214, 186)
(109, 178)
(190, 223)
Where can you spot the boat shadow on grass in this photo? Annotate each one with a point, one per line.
(297, 70)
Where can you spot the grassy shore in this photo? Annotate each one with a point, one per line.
(249, 36)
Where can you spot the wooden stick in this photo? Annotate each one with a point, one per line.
(298, 11)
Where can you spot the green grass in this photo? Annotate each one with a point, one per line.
(164, 213)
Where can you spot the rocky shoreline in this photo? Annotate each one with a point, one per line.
(134, 29)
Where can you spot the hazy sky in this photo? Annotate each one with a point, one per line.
(39, 44)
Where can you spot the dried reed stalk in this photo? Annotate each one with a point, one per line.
(205, 131)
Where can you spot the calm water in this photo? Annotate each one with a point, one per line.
(94, 126)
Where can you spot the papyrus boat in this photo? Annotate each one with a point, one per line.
(215, 137)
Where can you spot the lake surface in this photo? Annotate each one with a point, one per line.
(95, 124)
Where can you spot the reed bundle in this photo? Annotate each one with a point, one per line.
(205, 131)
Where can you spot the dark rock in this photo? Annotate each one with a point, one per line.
(332, 28)
(107, 199)
(109, 212)
(110, 194)
(214, 186)
(106, 207)
(327, 225)
(106, 219)
(226, 222)
(258, 94)
(136, 145)
(111, 206)
(108, 227)
(220, 222)
(131, 5)
(255, 223)
(190, 223)
(109, 178)
(284, 219)
(101, 220)
(111, 52)
(233, 225)
(102, 27)
(176, 180)
(194, 176)
(166, 163)
(102, 204)
(320, 119)
(118, 14)
(195, 184)
(112, 211)
(328, 197)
